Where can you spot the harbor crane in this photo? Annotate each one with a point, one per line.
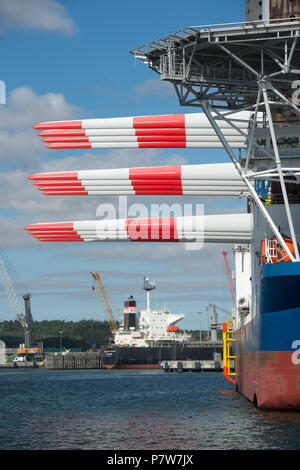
(25, 320)
(14, 302)
(229, 277)
(105, 302)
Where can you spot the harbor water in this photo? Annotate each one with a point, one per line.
(134, 410)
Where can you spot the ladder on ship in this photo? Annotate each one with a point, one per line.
(227, 357)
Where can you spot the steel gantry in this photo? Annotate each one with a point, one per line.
(250, 66)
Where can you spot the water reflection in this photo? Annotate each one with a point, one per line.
(135, 410)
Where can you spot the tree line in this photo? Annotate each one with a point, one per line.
(84, 334)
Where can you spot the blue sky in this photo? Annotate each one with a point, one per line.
(71, 59)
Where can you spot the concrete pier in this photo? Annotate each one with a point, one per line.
(19, 365)
(191, 366)
(80, 360)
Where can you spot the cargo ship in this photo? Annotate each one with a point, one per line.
(148, 337)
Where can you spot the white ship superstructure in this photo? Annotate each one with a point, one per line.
(149, 327)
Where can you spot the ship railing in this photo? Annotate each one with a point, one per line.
(273, 253)
(271, 250)
(278, 198)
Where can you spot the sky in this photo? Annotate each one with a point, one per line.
(70, 60)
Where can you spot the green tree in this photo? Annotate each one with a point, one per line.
(85, 334)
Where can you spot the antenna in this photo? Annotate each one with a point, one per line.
(148, 287)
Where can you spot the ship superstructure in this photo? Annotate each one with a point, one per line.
(149, 327)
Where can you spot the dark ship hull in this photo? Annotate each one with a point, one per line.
(123, 357)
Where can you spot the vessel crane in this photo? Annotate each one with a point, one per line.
(229, 277)
(105, 302)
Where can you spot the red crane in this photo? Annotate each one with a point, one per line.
(229, 278)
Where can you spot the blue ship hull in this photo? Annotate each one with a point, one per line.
(268, 347)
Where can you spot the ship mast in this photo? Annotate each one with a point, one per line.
(148, 287)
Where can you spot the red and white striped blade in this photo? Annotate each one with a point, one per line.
(206, 173)
(215, 179)
(166, 192)
(136, 183)
(226, 227)
(169, 132)
(142, 145)
(141, 139)
(124, 139)
(142, 122)
(64, 175)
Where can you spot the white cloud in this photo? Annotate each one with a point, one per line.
(12, 234)
(25, 108)
(40, 15)
(155, 88)
(18, 142)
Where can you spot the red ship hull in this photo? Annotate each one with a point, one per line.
(269, 379)
(268, 347)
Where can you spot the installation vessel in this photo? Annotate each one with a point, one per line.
(245, 78)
